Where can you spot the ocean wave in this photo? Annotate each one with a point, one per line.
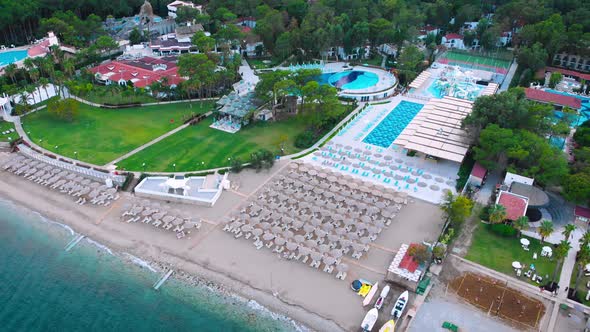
(100, 246)
(140, 262)
(252, 304)
(41, 217)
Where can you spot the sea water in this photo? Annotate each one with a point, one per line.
(90, 288)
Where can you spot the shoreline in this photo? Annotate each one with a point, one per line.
(187, 271)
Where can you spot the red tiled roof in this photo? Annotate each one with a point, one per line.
(565, 72)
(430, 28)
(553, 98)
(39, 49)
(408, 262)
(450, 36)
(246, 29)
(478, 171)
(139, 71)
(581, 211)
(515, 205)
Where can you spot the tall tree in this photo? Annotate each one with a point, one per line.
(545, 229)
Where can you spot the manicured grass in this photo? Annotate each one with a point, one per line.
(374, 61)
(5, 126)
(498, 253)
(261, 63)
(101, 135)
(192, 146)
(101, 96)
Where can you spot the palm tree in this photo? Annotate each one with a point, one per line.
(34, 75)
(546, 229)
(69, 68)
(568, 230)
(497, 213)
(520, 224)
(43, 82)
(10, 71)
(583, 260)
(560, 254)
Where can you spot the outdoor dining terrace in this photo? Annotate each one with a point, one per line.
(317, 217)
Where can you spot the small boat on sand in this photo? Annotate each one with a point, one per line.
(382, 297)
(370, 320)
(371, 294)
(400, 305)
(388, 327)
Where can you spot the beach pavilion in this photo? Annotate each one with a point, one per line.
(436, 131)
(235, 111)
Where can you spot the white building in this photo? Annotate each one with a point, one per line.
(428, 30)
(356, 53)
(453, 40)
(505, 38)
(174, 6)
(389, 49)
(5, 107)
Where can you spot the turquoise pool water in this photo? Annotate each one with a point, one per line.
(9, 57)
(584, 110)
(389, 129)
(463, 90)
(350, 80)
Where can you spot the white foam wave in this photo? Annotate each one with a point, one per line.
(41, 217)
(140, 262)
(100, 246)
(260, 308)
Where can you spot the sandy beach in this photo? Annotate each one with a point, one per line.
(309, 296)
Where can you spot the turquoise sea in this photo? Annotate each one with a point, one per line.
(44, 288)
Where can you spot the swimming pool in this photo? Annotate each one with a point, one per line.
(463, 90)
(350, 80)
(9, 57)
(584, 110)
(393, 124)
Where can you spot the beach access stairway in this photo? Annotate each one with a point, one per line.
(86, 172)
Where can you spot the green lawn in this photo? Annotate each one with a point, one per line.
(374, 61)
(498, 253)
(101, 135)
(5, 126)
(192, 146)
(262, 63)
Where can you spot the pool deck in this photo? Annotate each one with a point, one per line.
(386, 80)
(421, 178)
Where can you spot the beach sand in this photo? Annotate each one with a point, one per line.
(317, 299)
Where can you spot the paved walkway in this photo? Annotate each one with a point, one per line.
(485, 193)
(506, 84)
(152, 142)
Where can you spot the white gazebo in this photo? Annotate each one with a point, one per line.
(175, 183)
(5, 107)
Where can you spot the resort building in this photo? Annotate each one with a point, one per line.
(428, 30)
(478, 175)
(453, 40)
(515, 205)
(200, 190)
(582, 214)
(248, 21)
(572, 61)
(5, 107)
(174, 6)
(436, 130)
(555, 99)
(141, 72)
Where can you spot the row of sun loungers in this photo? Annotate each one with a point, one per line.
(72, 184)
(316, 217)
(152, 213)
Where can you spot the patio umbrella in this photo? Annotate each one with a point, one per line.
(178, 221)
(247, 228)
(316, 221)
(303, 251)
(336, 253)
(268, 236)
(352, 236)
(342, 267)
(316, 256)
(235, 224)
(360, 226)
(297, 224)
(516, 265)
(329, 260)
(320, 233)
(365, 240)
(525, 242)
(358, 246)
(279, 241)
(323, 248)
(299, 238)
(311, 243)
(292, 246)
(257, 232)
(327, 227)
(308, 228)
(333, 237)
(340, 231)
(264, 225)
(345, 243)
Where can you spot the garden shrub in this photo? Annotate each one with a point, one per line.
(305, 139)
(503, 230)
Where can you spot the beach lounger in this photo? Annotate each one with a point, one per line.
(341, 275)
(357, 255)
(304, 260)
(239, 235)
